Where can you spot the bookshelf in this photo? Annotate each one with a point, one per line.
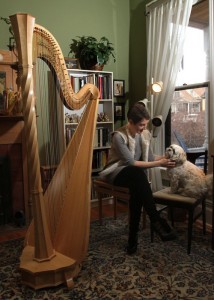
(105, 119)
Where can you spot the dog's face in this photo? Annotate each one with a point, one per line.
(176, 153)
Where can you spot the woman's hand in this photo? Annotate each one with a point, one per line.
(167, 163)
(162, 162)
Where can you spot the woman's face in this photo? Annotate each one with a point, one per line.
(138, 127)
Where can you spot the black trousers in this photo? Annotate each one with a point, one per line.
(136, 180)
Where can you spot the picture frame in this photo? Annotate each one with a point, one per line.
(119, 111)
(3, 92)
(72, 63)
(119, 87)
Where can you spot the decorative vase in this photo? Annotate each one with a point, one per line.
(97, 67)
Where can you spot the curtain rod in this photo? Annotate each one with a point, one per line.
(192, 86)
(153, 1)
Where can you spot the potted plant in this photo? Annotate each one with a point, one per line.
(91, 52)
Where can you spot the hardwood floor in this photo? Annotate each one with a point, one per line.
(10, 232)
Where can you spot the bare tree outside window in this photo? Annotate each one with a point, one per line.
(188, 117)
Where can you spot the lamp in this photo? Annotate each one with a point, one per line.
(154, 88)
(157, 87)
(144, 102)
(157, 121)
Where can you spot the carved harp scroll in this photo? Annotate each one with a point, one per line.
(57, 239)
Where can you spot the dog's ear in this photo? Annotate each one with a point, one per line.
(170, 152)
(183, 157)
(181, 154)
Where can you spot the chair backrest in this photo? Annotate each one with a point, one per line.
(193, 154)
(203, 155)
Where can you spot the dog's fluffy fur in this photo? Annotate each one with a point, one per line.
(186, 178)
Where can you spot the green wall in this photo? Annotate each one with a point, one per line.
(67, 19)
(122, 21)
(138, 51)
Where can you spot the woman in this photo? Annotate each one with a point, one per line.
(126, 168)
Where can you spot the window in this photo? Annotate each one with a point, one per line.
(194, 66)
(187, 118)
(188, 115)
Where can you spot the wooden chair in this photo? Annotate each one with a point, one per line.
(164, 197)
(169, 200)
(104, 189)
(193, 153)
(192, 156)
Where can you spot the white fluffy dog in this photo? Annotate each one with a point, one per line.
(186, 178)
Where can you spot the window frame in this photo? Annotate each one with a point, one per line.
(168, 119)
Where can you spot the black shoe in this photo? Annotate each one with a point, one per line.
(162, 228)
(131, 249)
(165, 225)
(132, 245)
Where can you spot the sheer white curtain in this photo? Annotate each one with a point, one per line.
(166, 26)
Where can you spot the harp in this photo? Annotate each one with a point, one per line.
(57, 239)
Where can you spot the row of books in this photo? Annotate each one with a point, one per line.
(102, 81)
(99, 159)
(99, 156)
(69, 131)
(102, 137)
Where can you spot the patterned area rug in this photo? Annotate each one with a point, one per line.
(158, 271)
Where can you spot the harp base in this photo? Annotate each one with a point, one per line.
(60, 269)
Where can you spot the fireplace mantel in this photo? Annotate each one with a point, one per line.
(12, 144)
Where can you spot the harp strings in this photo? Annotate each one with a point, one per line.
(57, 190)
(52, 131)
(50, 123)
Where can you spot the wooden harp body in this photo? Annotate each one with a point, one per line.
(57, 239)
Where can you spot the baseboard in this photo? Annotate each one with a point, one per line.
(105, 201)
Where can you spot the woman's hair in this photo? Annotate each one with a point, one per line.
(137, 113)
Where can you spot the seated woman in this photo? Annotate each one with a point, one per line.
(126, 168)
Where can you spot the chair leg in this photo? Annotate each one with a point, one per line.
(99, 196)
(204, 215)
(190, 224)
(115, 207)
(152, 233)
(171, 212)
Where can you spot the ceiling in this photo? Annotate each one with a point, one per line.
(200, 14)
